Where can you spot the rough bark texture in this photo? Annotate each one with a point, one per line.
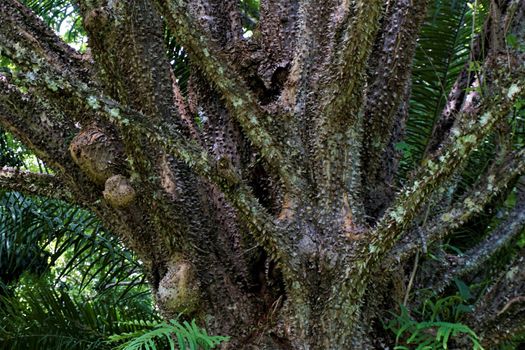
(273, 219)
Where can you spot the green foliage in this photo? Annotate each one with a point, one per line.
(42, 316)
(66, 282)
(178, 60)
(428, 334)
(188, 336)
(63, 17)
(9, 150)
(250, 14)
(40, 235)
(437, 324)
(441, 54)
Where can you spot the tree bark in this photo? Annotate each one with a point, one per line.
(258, 201)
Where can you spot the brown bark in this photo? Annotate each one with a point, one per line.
(267, 219)
(389, 72)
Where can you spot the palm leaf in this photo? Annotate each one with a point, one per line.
(37, 234)
(42, 317)
(63, 17)
(441, 54)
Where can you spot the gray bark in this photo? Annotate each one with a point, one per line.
(271, 221)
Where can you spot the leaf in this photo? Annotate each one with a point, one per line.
(464, 290)
(187, 334)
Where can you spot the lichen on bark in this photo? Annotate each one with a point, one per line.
(255, 196)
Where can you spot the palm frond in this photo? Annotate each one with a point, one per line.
(63, 17)
(188, 335)
(441, 54)
(37, 234)
(42, 317)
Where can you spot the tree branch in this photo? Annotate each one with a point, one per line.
(40, 127)
(239, 99)
(499, 315)
(136, 126)
(474, 259)
(133, 67)
(22, 31)
(368, 252)
(53, 75)
(221, 133)
(219, 19)
(35, 184)
(312, 45)
(492, 185)
(47, 133)
(389, 72)
(340, 129)
(324, 89)
(433, 174)
(459, 98)
(278, 27)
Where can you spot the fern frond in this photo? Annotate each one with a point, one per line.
(188, 335)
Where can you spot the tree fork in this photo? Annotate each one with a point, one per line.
(291, 264)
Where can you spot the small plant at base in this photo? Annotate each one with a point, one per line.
(188, 335)
(432, 335)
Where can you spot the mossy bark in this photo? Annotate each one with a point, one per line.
(269, 219)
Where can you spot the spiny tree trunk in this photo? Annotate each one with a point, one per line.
(274, 218)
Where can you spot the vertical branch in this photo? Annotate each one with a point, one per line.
(240, 101)
(278, 28)
(389, 72)
(219, 19)
(127, 43)
(324, 89)
(339, 130)
(222, 135)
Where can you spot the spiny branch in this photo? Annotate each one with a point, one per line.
(22, 31)
(36, 184)
(340, 129)
(54, 75)
(369, 251)
(46, 132)
(278, 34)
(474, 259)
(499, 315)
(239, 99)
(40, 127)
(389, 72)
(433, 174)
(133, 67)
(492, 185)
(219, 172)
(220, 19)
(137, 126)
